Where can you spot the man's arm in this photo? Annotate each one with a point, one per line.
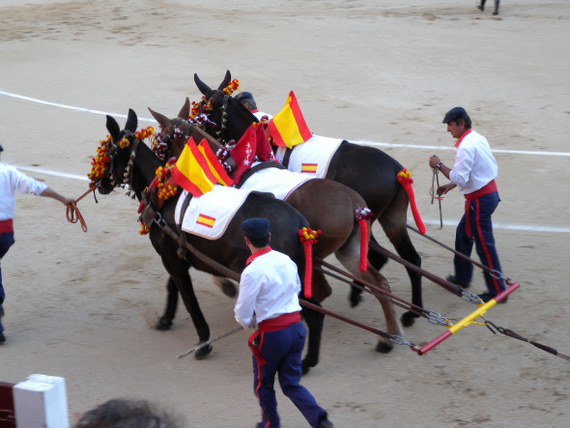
(54, 195)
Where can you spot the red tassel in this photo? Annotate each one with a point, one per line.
(405, 179)
(308, 247)
(363, 244)
(308, 237)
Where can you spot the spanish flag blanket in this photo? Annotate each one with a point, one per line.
(280, 182)
(208, 215)
(311, 157)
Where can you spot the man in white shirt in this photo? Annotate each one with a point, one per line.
(268, 296)
(246, 98)
(474, 173)
(11, 180)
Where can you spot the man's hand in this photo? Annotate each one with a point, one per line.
(442, 190)
(434, 161)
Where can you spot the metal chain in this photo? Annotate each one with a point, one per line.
(399, 340)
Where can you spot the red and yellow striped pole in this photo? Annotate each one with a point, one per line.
(467, 320)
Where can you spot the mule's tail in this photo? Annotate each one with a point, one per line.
(405, 179)
(362, 215)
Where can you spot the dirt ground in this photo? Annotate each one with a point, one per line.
(81, 305)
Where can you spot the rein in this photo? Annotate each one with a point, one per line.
(72, 212)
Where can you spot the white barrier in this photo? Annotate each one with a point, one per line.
(41, 402)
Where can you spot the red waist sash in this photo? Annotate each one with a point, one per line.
(272, 324)
(490, 187)
(6, 226)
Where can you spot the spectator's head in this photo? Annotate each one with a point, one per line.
(126, 413)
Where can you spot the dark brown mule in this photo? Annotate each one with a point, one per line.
(367, 170)
(328, 206)
(136, 163)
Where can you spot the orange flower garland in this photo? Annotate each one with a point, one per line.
(165, 190)
(202, 106)
(100, 163)
(232, 87)
(142, 134)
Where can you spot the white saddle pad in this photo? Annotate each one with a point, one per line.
(208, 216)
(280, 182)
(311, 157)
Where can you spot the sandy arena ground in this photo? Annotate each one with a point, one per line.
(80, 305)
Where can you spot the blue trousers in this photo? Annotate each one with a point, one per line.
(6, 241)
(281, 351)
(481, 227)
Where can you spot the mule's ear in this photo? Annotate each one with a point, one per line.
(113, 128)
(132, 121)
(226, 81)
(160, 118)
(202, 87)
(185, 110)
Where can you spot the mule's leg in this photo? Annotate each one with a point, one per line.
(377, 260)
(496, 12)
(227, 286)
(165, 321)
(315, 322)
(393, 222)
(349, 257)
(177, 268)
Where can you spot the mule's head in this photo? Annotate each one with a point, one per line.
(173, 132)
(229, 116)
(110, 167)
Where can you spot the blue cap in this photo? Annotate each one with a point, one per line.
(454, 114)
(244, 96)
(255, 227)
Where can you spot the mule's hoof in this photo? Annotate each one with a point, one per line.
(408, 319)
(163, 324)
(229, 288)
(384, 347)
(355, 300)
(203, 352)
(306, 366)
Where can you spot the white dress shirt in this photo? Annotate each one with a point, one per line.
(475, 165)
(269, 287)
(10, 180)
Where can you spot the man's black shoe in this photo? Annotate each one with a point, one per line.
(2, 338)
(325, 423)
(451, 278)
(488, 296)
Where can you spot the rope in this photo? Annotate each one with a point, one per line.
(73, 214)
(510, 333)
(433, 191)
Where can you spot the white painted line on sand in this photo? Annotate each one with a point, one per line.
(518, 227)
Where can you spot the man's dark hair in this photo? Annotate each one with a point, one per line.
(466, 120)
(125, 413)
(259, 242)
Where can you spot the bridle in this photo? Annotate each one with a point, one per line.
(112, 151)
